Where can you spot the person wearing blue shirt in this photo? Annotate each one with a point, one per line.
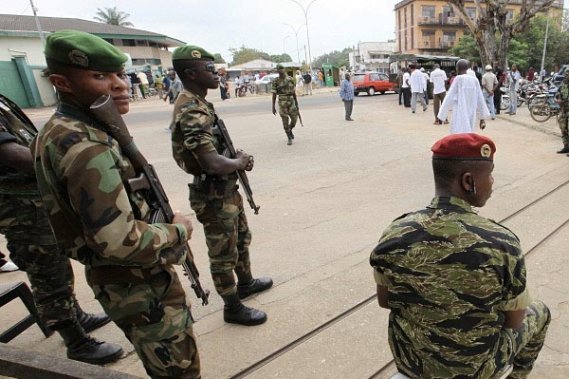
(347, 96)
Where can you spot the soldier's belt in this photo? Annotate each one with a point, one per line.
(105, 275)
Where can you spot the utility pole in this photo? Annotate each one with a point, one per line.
(42, 38)
(305, 11)
(544, 45)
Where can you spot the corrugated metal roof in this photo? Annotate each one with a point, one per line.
(18, 24)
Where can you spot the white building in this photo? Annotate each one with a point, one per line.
(372, 56)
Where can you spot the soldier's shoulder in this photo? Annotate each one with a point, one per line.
(63, 132)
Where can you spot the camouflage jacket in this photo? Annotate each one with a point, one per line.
(12, 181)
(450, 276)
(194, 132)
(81, 173)
(563, 95)
(284, 87)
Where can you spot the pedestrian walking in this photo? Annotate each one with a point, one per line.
(438, 77)
(466, 101)
(405, 88)
(426, 85)
(489, 85)
(417, 84)
(213, 194)
(347, 96)
(455, 282)
(283, 87)
(307, 79)
(100, 221)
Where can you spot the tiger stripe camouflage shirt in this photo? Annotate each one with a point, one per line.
(81, 173)
(450, 275)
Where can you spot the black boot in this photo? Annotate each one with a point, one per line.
(254, 286)
(83, 348)
(89, 321)
(235, 312)
(565, 150)
(289, 136)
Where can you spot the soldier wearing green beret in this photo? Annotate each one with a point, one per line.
(81, 171)
(284, 88)
(454, 281)
(214, 197)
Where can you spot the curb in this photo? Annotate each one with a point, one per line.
(536, 127)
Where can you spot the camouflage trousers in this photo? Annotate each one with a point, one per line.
(563, 122)
(288, 112)
(522, 346)
(152, 312)
(33, 249)
(227, 236)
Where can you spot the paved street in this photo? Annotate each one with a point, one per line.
(324, 202)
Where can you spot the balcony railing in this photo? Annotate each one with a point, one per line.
(441, 21)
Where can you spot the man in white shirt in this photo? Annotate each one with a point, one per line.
(417, 84)
(513, 79)
(489, 84)
(438, 78)
(466, 100)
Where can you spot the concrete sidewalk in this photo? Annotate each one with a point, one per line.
(324, 202)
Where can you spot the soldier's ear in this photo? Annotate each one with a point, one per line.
(60, 82)
(467, 182)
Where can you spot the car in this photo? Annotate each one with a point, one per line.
(267, 79)
(371, 83)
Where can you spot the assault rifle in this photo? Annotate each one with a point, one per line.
(241, 175)
(104, 109)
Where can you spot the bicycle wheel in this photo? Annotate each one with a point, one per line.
(540, 111)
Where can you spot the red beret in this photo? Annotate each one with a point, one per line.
(464, 146)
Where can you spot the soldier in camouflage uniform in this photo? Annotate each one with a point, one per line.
(25, 225)
(81, 172)
(455, 282)
(562, 98)
(214, 197)
(284, 88)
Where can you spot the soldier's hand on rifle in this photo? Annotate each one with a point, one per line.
(181, 219)
(246, 161)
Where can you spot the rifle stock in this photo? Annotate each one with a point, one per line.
(106, 112)
(241, 175)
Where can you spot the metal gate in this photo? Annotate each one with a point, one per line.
(11, 84)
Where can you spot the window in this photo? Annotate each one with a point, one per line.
(448, 39)
(428, 12)
(428, 38)
(374, 77)
(471, 13)
(510, 15)
(128, 42)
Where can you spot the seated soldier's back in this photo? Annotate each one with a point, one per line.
(449, 274)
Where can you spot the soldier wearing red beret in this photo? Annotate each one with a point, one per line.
(454, 281)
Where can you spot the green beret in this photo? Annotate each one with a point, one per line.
(191, 52)
(83, 50)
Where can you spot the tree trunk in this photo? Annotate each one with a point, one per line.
(491, 29)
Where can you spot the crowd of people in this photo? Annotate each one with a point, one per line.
(462, 310)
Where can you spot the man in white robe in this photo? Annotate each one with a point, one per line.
(466, 100)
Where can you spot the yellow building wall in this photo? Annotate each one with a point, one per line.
(410, 25)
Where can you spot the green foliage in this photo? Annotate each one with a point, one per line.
(218, 58)
(246, 54)
(112, 16)
(518, 54)
(337, 58)
(526, 49)
(466, 48)
(280, 58)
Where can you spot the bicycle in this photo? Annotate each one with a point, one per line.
(544, 107)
